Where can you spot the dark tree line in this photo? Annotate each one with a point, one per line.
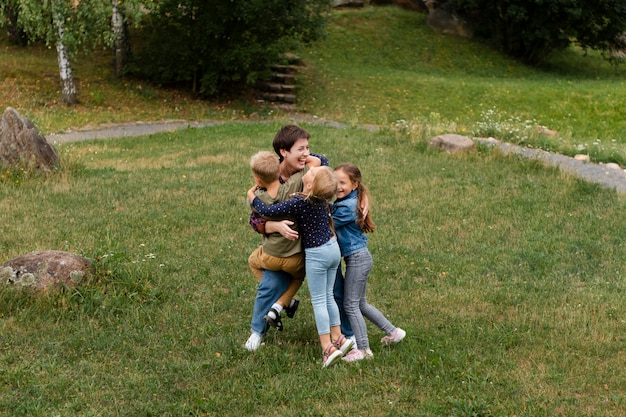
(532, 29)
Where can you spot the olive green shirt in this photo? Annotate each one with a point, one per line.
(275, 244)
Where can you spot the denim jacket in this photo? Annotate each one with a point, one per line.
(350, 237)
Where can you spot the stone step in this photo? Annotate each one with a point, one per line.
(279, 97)
(276, 87)
(284, 78)
(292, 58)
(285, 69)
(289, 107)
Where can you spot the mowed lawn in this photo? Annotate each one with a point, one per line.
(508, 277)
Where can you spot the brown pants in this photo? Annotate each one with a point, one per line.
(293, 265)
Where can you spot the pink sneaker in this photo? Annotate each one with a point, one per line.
(394, 337)
(358, 355)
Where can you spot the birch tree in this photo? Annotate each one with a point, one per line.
(68, 25)
(123, 14)
(68, 86)
(119, 37)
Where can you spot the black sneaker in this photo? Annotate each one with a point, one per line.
(274, 322)
(291, 311)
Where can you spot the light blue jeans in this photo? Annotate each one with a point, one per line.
(321, 269)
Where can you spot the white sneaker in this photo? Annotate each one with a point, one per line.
(254, 341)
(353, 338)
(394, 337)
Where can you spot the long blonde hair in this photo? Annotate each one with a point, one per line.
(366, 223)
(323, 190)
(324, 186)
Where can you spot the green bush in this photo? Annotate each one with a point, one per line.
(532, 29)
(214, 46)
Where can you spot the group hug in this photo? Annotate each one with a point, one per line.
(310, 217)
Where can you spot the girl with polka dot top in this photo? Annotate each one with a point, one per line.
(322, 254)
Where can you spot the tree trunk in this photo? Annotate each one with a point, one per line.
(117, 23)
(16, 35)
(68, 87)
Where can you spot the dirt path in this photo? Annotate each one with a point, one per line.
(614, 178)
(125, 130)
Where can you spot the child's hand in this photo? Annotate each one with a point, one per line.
(282, 227)
(251, 193)
(365, 207)
(313, 161)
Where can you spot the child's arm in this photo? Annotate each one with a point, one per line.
(266, 227)
(281, 227)
(343, 214)
(251, 194)
(284, 208)
(325, 162)
(313, 161)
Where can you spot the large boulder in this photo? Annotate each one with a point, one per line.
(21, 144)
(46, 269)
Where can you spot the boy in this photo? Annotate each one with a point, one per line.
(277, 253)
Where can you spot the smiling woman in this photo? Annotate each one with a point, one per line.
(291, 143)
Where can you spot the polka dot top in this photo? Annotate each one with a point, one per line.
(313, 218)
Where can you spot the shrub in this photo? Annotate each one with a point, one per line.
(214, 46)
(532, 29)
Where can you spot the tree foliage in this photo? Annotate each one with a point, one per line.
(212, 46)
(532, 29)
(70, 25)
(85, 22)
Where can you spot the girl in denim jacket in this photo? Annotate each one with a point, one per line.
(350, 227)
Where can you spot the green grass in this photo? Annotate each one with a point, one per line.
(508, 277)
(382, 65)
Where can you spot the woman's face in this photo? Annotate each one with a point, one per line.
(295, 158)
(307, 179)
(344, 185)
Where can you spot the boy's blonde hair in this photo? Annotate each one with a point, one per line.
(265, 165)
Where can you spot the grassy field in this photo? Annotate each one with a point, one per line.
(385, 66)
(508, 277)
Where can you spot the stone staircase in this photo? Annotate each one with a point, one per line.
(280, 90)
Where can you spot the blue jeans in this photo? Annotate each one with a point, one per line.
(273, 284)
(346, 328)
(321, 265)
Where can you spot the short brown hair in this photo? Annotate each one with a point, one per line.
(265, 165)
(286, 137)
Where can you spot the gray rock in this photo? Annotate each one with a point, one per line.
(452, 143)
(21, 144)
(46, 269)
